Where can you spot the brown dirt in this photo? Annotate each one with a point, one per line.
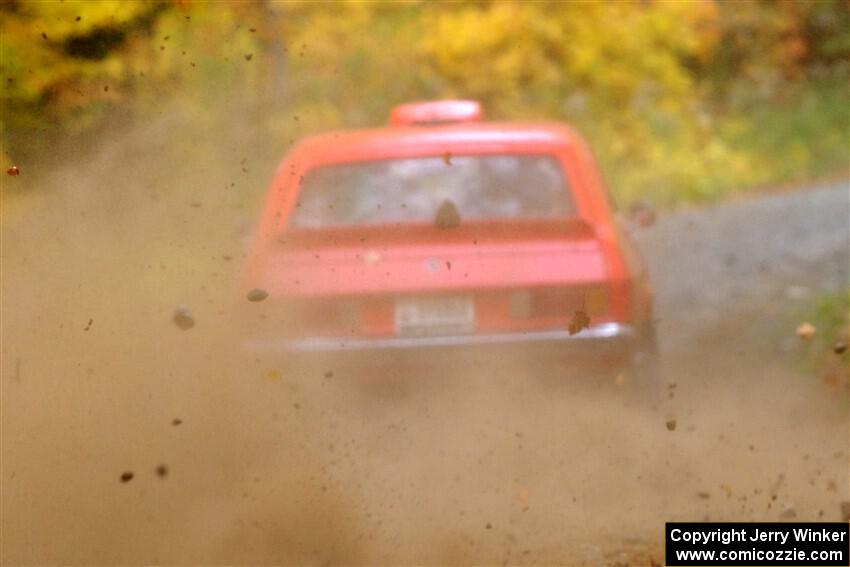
(487, 466)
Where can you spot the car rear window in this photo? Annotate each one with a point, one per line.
(412, 190)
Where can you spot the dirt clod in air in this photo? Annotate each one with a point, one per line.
(13, 171)
(88, 325)
(176, 421)
(788, 513)
(703, 495)
(579, 321)
(183, 318)
(126, 476)
(162, 471)
(329, 374)
(489, 526)
(845, 511)
(256, 295)
(249, 56)
(840, 347)
(447, 158)
(806, 331)
(671, 425)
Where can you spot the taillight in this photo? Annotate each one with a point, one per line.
(346, 315)
(521, 304)
(559, 301)
(322, 316)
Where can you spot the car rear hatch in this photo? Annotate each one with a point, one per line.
(422, 281)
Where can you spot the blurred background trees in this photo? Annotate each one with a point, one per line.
(682, 101)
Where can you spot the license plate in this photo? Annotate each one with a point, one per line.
(435, 316)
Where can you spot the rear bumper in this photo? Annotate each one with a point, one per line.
(605, 341)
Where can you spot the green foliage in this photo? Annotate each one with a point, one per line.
(832, 314)
(681, 101)
(57, 56)
(64, 61)
(612, 53)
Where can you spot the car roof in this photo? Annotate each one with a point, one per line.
(460, 138)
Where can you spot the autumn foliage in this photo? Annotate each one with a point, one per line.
(681, 100)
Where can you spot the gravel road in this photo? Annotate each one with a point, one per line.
(708, 264)
(236, 463)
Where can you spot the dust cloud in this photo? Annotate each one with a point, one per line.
(130, 438)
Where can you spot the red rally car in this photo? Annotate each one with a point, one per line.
(445, 232)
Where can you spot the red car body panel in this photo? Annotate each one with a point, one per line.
(344, 282)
